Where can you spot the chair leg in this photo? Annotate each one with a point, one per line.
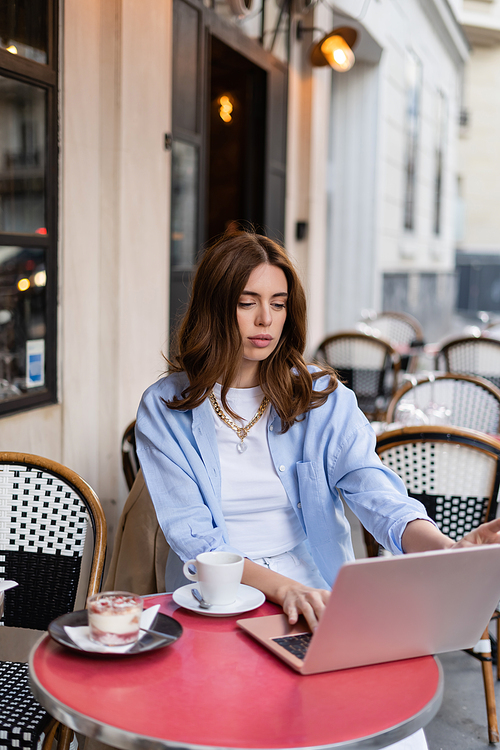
(66, 737)
(498, 644)
(371, 544)
(50, 733)
(489, 688)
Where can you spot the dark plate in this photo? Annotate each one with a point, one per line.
(166, 629)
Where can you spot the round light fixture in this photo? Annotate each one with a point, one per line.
(335, 49)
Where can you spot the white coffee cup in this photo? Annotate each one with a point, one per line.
(218, 574)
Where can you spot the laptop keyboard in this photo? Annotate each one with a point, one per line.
(295, 644)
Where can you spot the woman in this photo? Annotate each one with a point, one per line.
(246, 448)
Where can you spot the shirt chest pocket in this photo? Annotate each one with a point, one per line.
(315, 502)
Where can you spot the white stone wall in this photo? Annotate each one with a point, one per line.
(367, 159)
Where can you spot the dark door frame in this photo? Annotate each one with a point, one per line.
(210, 24)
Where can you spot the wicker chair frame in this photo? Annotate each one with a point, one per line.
(401, 330)
(397, 327)
(367, 364)
(46, 509)
(130, 461)
(456, 474)
(471, 355)
(471, 402)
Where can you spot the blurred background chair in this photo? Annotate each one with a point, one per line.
(458, 400)
(491, 325)
(366, 364)
(47, 510)
(130, 462)
(471, 355)
(402, 330)
(455, 473)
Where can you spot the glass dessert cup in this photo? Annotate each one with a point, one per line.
(114, 617)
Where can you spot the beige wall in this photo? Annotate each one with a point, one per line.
(113, 274)
(309, 94)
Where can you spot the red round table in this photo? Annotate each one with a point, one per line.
(217, 688)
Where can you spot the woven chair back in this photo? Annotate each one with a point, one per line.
(458, 400)
(398, 328)
(454, 473)
(45, 512)
(472, 356)
(366, 364)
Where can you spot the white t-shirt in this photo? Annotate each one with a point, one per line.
(260, 519)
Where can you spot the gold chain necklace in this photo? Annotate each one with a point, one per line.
(242, 432)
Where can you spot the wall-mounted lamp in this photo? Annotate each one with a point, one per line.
(334, 49)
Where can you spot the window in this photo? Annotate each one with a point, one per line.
(439, 148)
(28, 203)
(413, 76)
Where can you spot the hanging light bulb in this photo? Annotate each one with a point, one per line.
(225, 108)
(335, 49)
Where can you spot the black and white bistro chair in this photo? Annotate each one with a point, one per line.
(471, 355)
(402, 330)
(130, 461)
(455, 473)
(453, 399)
(46, 512)
(367, 364)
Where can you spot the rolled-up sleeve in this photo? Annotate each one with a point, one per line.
(374, 492)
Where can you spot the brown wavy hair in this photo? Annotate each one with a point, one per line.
(209, 343)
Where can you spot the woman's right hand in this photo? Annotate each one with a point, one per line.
(295, 598)
(303, 600)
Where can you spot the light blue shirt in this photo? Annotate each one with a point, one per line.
(328, 454)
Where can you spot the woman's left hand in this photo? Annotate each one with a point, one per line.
(487, 533)
(420, 535)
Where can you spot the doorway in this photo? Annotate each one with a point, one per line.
(223, 170)
(236, 148)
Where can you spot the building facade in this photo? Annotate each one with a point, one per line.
(117, 167)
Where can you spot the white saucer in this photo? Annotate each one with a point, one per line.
(248, 598)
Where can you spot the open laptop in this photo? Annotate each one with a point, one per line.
(389, 608)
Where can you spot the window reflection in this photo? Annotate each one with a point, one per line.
(184, 204)
(22, 320)
(22, 157)
(23, 28)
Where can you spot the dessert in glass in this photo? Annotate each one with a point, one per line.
(114, 617)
